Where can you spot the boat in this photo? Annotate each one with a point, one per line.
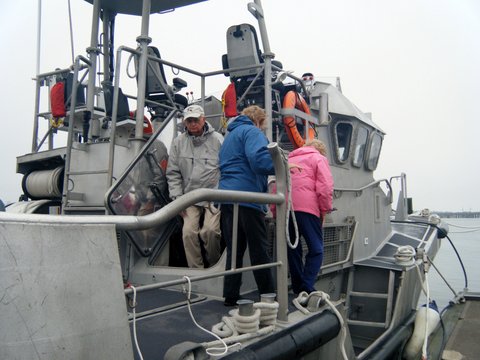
(90, 270)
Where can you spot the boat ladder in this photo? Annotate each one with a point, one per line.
(367, 304)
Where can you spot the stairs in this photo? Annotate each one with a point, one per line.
(370, 303)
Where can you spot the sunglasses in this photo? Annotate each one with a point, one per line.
(192, 120)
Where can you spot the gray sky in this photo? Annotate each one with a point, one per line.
(414, 64)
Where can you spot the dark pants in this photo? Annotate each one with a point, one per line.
(304, 276)
(252, 231)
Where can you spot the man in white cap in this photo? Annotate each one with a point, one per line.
(193, 164)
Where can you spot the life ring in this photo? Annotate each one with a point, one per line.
(292, 100)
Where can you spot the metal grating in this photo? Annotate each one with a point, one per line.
(336, 243)
(337, 240)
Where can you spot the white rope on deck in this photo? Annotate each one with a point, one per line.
(303, 300)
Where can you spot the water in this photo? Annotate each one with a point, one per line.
(465, 235)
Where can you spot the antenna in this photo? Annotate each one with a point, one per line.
(339, 87)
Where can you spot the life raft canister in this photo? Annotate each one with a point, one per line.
(292, 100)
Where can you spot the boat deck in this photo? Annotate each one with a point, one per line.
(464, 341)
(163, 319)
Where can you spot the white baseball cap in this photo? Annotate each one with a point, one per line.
(193, 111)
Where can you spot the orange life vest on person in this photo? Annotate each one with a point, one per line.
(293, 100)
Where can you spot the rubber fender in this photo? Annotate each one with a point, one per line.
(424, 315)
(293, 342)
(185, 349)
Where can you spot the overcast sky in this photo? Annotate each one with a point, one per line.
(414, 64)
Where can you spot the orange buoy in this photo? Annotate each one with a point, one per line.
(292, 100)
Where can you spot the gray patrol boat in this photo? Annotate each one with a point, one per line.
(92, 263)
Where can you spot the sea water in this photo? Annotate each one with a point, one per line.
(465, 236)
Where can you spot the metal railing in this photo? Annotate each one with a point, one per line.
(124, 222)
(337, 191)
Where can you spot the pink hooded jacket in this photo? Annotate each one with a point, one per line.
(312, 187)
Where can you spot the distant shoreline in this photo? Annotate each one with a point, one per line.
(458, 214)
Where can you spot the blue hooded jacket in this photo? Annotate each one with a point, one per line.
(244, 159)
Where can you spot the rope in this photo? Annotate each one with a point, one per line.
(212, 351)
(465, 232)
(55, 123)
(133, 305)
(71, 31)
(425, 341)
(426, 267)
(443, 278)
(237, 324)
(39, 37)
(447, 237)
(268, 312)
(474, 228)
(246, 324)
(225, 328)
(290, 210)
(232, 326)
(300, 301)
(237, 339)
(405, 255)
(304, 299)
(223, 120)
(131, 76)
(421, 279)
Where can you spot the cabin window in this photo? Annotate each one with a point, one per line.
(374, 153)
(343, 138)
(360, 147)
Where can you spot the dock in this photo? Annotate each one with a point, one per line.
(464, 342)
(461, 331)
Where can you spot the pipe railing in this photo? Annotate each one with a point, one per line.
(73, 104)
(130, 222)
(161, 216)
(39, 82)
(360, 189)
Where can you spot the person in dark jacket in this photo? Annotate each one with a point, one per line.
(245, 164)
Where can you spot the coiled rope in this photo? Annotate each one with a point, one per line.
(268, 312)
(265, 314)
(447, 237)
(405, 255)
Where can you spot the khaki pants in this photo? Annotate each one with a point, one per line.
(209, 234)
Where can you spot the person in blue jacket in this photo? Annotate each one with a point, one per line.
(245, 164)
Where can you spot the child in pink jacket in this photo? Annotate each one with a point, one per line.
(312, 190)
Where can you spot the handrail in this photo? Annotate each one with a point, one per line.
(372, 184)
(401, 212)
(38, 83)
(161, 216)
(169, 283)
(73, 104)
